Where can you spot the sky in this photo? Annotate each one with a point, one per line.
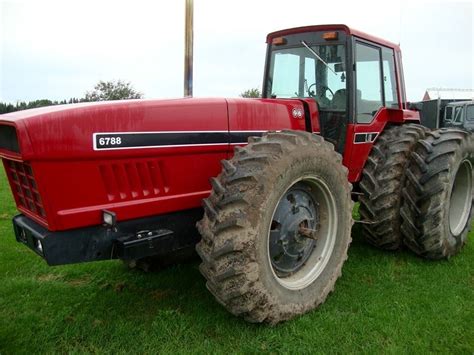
(60, 49)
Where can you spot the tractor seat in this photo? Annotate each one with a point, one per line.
(339, 99)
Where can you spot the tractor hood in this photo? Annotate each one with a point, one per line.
(105, 129)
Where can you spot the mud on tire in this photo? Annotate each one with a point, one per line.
(266, 188)
(382, 181)
(437, 208)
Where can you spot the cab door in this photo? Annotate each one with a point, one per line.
(469, 118)
(375, 97)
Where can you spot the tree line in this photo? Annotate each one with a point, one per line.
(103, 91)
(23, 105)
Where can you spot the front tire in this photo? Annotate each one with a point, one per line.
(437, 209)
(276, 227)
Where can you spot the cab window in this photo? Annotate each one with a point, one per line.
(458, 115)
(316, 71)
(470, 112)
(285, 81)
(389, 78)
(368, 82)
(448, 114)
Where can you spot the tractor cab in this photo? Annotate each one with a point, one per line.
(349, 74)
(460, 115)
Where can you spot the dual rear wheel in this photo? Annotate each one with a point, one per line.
(437, 207)
(417, 191)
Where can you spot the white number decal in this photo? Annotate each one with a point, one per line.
(106, 141)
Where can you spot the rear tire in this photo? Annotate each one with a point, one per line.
(437, 209)
(258, 261)
(382, 181)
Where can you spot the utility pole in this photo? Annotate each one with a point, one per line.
(188, 49)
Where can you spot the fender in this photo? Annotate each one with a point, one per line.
(360, 138)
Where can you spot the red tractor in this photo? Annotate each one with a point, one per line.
(276, 176)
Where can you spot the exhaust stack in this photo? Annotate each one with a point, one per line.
(188, 50)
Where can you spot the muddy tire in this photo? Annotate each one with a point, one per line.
(271, 201)
(382, 181)
(437, 208)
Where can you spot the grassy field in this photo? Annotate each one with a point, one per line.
(384, 302)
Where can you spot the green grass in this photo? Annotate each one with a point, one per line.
(384, 302)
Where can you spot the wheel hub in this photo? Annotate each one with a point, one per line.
(461, 198)
(293, 231)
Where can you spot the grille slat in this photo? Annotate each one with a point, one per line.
(109, 182)
(134, 180)
(145, 179)
(24, 187)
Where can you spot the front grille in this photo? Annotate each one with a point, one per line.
(24, 187)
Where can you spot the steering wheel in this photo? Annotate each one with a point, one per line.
(323, 90)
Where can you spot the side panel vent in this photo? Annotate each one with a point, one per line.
(133, 180)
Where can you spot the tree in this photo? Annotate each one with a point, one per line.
(6, 107)
(255, 92)
(112, 90)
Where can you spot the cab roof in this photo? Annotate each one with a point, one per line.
(461, 103)
(334, 27)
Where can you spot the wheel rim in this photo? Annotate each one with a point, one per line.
(302, 233)
(461, 198)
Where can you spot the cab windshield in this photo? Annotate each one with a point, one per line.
(317, 71)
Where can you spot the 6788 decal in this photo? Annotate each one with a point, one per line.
(107, 141)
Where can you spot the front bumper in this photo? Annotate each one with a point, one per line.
(134, 239)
